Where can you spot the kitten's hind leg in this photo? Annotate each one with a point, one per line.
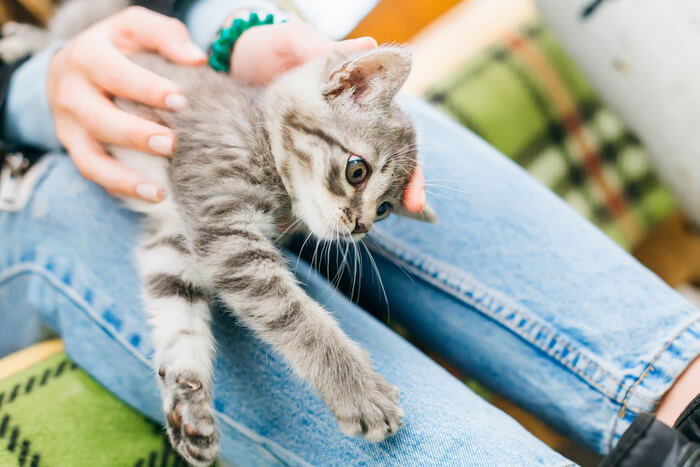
(20, 39)
(179, 315)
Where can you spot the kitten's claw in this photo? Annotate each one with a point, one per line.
(374, 413)
(189, 412)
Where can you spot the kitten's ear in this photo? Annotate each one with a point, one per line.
(426, 215)
(371, 79)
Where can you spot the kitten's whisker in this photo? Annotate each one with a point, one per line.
(439, 195)
(341, 268)
(381, 282)
(346, 260)
(313, 259)
(337, 253)
(455, 180)
(446, 187)
(290, 227)
(328, 253)
(301, 250)
(354, 267)
(359, 284)
(336, 278)
(390, 257)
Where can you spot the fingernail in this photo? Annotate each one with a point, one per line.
(161, 144)
(371, 39)
(150, 192)
(175, 101)
(194, 52)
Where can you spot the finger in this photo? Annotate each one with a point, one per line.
(124, 78)
(107, 124)
(162, 34)
(414, 195)
(96, 165)
(356, 45)
(320, 45)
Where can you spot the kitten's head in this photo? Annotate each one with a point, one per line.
(343, 147)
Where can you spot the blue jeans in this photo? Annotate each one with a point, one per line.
(511, 286)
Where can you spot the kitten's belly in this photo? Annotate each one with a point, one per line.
(154, 169)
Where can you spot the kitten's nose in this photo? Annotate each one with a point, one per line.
(360, 228)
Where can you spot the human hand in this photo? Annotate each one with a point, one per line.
(94, 66)
(263, 52)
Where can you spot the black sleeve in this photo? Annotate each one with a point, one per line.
(6, 71)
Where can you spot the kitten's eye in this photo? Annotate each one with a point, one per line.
(357, 170)
(383, 210)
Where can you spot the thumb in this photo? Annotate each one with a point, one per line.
(356, 45)
(414, 195)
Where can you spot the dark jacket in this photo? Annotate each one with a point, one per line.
(650, 443)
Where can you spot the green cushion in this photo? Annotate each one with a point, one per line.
(54, 414)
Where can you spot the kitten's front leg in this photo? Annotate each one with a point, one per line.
(253, 279)
(178, 312)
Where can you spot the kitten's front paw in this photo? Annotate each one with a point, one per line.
(374, 412)
(189, 411)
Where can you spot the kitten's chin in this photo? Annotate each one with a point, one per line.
(356, 237)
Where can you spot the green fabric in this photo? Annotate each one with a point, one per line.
(528, 99)
(54, 414)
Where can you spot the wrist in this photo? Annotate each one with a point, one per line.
(222, 48)
(684, 389)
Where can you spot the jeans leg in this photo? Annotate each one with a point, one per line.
(526, 296)
(68, 257)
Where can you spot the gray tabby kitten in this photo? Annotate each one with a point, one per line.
(324, 150)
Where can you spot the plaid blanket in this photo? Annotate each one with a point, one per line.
(528, 99)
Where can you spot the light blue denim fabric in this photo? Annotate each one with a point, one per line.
(511, 286)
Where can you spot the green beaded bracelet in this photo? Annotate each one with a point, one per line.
(220, 56)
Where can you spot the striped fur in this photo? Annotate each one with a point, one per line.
(247, 162)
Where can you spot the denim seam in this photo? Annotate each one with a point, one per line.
(28, 268)
(649, 367)
(416, 261)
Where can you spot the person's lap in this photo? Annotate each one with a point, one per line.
(527, 296)
(71, 263)
(497, 287)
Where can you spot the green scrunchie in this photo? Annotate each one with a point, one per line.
(220, 56)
